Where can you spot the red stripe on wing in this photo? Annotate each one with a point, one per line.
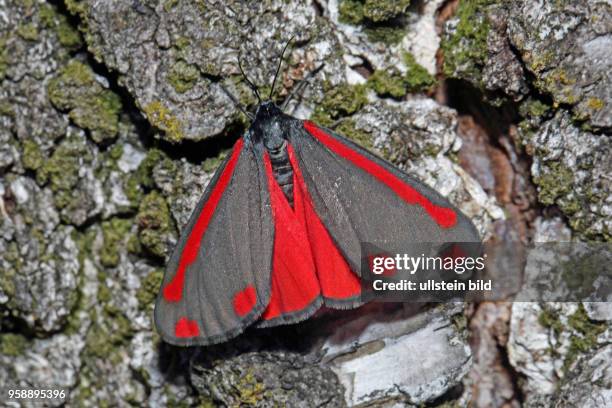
(173, 292)
(444, 217)
(294, 281)
(335, 277)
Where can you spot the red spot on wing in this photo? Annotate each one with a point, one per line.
(245, 301)
(444, 217)
(186, 328)
(173, 292)
(335, 277)
(294, 282)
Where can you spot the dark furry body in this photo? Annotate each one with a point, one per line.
(271, 127)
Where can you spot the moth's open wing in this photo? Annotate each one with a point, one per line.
(217, 281)
(362, 199)
(307, 268)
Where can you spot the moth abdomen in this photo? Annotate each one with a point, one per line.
(282, 170)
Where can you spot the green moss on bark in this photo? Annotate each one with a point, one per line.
(7, 278)
(32, 157)
(387, 83)
(48, 15)
(585, 335)
(114, 232)
(212, 163)
(595, 104)
(417, 78)
(28, 31)
(3, 56)
(374, 11)
(250, 391)
(550, 320)
(183, 76)
(88, 104)
(170, 4)
(149, 288)
(580, 272)
(465, 51)
(107, 334)
(155, 224)
(554, 183)
(161, 117)
(385, 34)
(583, 332)
(379, 11)
(142, 179)
(339, 101)
(61, 171)
(380, 19)
(532, 108)
(67, 35)
(351, 11)
(348, 129)
(182, 43)
(392, 83)
(77, 7)
(13, 344)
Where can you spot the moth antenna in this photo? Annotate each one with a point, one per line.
(300, 86)
(280, 63)
(251, 85)
(236, 103)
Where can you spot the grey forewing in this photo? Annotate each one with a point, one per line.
(235, 253)
(356, 208)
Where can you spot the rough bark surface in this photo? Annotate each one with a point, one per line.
(113, 119)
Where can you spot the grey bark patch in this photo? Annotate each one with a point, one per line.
(269, 379)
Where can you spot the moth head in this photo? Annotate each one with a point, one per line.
(266, 110)
(270, 125)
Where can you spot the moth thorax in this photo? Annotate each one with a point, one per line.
(283, 172)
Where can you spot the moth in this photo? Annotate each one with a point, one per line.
(278, 230)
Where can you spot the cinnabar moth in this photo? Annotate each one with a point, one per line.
(278, 231)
